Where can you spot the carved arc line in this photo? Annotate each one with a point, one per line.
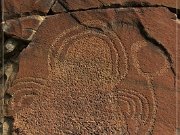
(30, 84)
(104, 28)
(141, 99)
(129, 100)
(28, 93)
(55, 41)
(135, 110)
(123, 50)
(95, 33)
(42, 80)
(76, 28)
(134, 50)
(20, 99)
(80, 34)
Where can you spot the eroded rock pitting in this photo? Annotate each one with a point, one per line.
(18, 41)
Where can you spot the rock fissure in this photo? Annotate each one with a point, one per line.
(149, 38)
(175, 11)
(132, 4)
(20, 44)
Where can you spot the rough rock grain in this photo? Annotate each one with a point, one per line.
(87, 4)
(24, 27)
(178, 73)
(16, 8)
(162, 30)
(95, 72)
(58, 8)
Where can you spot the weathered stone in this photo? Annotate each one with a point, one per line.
(20, 7)
(97, 72)
(178, 75)
(58, 8)
(87, 4)
(167, 3)
(162, 30)
(23, 28)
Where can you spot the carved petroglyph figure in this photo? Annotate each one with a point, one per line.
(80, 94)
(86, 68)
(149, 76)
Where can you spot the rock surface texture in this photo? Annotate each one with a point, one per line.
(91, 67)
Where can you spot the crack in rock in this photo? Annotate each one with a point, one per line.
(23, 28)
(149, 38)
(21, 34)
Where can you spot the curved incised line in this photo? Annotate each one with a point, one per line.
(26, 92)
(135, 49)
(149, 77)
(16, 100)
(30, 81)
(26, 87)
(55, 41)
(65, 43)
(115, 37)
(31, 78)
(34, 80)
(129, 98)
(131, 108)
(144, 104)
(103, 26)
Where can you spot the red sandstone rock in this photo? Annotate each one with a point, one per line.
(178, 74)
(23, 28)
(86, 4)
(161, 30)
(57, 7)
(80, 4)
(19, 7)
(101, 76)
(16, 8)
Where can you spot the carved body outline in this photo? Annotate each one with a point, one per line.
(137, 66)
(136, 47)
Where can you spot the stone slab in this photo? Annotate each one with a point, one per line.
(94, 72)
(16, 8)
(23, 28)
(86, 4)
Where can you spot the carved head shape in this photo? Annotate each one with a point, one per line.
(88, 60)
(84, 68)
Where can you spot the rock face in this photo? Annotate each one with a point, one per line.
(106, 71)
(24, 27)
(15, 8)
(86, 4)
(22, 7)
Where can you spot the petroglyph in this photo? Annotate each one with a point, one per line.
(136, 98)
(26, 89)
(80, 96)
(108, 36)
(149, 77)
(73, 60)
(29, 95)
(135, 49)
(88, 63)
